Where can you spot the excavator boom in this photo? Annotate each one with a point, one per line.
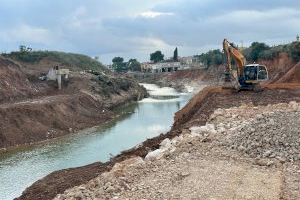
(231, 51)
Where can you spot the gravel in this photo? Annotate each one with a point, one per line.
(244, 152)
(272, 134)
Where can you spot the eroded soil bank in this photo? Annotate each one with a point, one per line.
(196, 113)
(32, 110)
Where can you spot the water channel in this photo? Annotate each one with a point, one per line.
(139, 121)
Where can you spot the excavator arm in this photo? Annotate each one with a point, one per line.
(231, 51)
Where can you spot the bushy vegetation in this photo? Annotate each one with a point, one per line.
(257, 51)
(261, 51)
(294, 51)
(157, 56)
(211, 58)
(134, 65)
(120, 66)
(72, 60)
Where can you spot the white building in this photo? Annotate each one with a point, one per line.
(191, 62)
(161, 67)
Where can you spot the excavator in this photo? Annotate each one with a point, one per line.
(246, 76)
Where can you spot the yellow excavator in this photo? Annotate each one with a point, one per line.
(244, 77)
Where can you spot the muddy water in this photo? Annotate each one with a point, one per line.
(146, 119)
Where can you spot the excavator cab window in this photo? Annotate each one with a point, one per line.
(262, 73)
(250, 73)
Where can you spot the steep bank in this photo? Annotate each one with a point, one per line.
(33, 110)
(195, 115)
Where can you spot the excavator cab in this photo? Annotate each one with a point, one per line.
(252, 75)
(255, 73)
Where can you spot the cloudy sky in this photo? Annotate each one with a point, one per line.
(135, 28)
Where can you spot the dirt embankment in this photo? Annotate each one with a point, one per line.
(32, 110)
(195, 113)
(278, 66)
(14, 84)
(292, 75)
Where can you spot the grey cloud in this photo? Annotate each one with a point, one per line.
(112, 27)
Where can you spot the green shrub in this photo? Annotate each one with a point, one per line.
(256, 51)
(294, 51)
(211, 58)
(71, 60)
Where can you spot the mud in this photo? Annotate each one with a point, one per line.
(196, 112)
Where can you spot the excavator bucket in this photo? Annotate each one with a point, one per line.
(231, 80)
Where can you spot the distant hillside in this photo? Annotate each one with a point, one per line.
(48, 58)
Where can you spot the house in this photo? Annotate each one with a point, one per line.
(191, 62)
(57, 74)
(161, 67)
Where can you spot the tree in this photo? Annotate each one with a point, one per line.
(175, 56)
(24, 49)
(134, 65)
(256, 50)
(294, 51)
(157, 56)
(119, 65)
(213, 57)
(118, 60)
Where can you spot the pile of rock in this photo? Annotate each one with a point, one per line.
(271, 131)
(272, 135)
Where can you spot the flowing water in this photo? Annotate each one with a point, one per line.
(145, 119)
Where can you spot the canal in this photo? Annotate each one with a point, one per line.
(138, 122)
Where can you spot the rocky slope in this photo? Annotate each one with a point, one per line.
(241, 153)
